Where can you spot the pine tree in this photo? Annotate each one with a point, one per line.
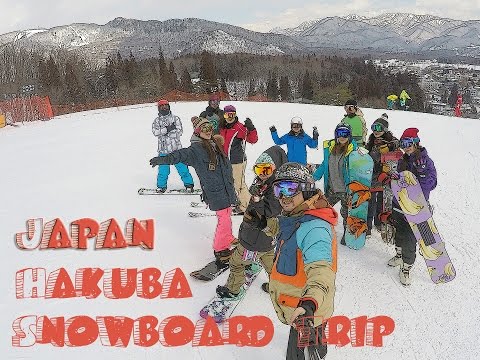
(307, 87)
(111, 77)
(130, 70)
(172, 76)
(163, 71)
(272, 87)
(251, 88)
(54, 79)
(186, 81)
(75, 92)
(207, 72)
(223, 86)
(285, 89)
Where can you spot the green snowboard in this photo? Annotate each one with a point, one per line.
(360, 168)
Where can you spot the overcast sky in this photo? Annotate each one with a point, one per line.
(259, 15)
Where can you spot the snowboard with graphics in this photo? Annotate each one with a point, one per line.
(220, 309)
(210, 271)
(360, 168)
(416, 209)
(389, 162)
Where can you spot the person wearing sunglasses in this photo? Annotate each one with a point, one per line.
(168, 129)
(380, 141)
(255, 244)
(213, 112)
(236, 136)
(302, 281)
(335, 170)
(417, 161)
(296, 140)
(354, 118)
(206, 156)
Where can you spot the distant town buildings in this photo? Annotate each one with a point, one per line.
(442, 83)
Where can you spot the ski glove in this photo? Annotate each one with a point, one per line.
(171, 127)
(249, 125)
(255, 219)
(421, 163)
(315, 133)
(156, 161)
(273, 128)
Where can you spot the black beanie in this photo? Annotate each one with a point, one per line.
(383, 122)
(351, 102)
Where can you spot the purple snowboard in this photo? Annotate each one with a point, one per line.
(409, 195)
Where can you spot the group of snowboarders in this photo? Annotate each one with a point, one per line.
(288, 223)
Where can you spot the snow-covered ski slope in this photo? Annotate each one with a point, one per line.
(91, 164)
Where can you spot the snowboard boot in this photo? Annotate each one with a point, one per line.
(189, 188)
(397, 259)
(265, 287)
(222, 257)
(405, 274)
(225, 293)
(161, 189)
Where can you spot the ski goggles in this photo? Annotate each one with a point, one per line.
(350, 107)
(342, 132)
(230, 115)
(286, 188)
(206, 127)
(295, 125)
(377, 127)
(263, 169)
(407, 142)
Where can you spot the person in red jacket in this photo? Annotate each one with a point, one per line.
(236, 135)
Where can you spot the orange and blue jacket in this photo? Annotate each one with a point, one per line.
(305, 263)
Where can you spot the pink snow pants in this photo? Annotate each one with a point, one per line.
(223, 233)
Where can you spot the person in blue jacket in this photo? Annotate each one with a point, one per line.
(334, 169)
(296, 140)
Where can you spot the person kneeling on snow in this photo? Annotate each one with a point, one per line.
(254, 244)
(417, 161)
(206, 156)
(302, 282)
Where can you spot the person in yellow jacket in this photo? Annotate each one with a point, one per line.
(391, 100)
(302, 281)
(354, 118)
(404, 97)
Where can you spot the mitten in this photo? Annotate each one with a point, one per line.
(249, 125)
(273, 129)
(171, 127)
(156, 161)
(315, 133)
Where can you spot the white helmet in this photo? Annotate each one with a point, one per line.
(296, 120)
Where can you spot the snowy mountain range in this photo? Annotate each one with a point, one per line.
(384, 34)
(143, 38)
(392, 32)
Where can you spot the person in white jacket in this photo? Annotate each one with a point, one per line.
(168, 129)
